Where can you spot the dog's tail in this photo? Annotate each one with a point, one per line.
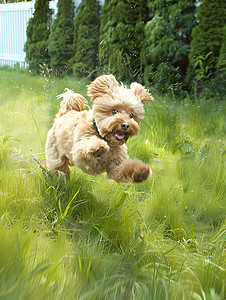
(71, 101)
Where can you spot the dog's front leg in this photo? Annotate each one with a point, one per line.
(130, 170)
(86, 152)
(90, 146)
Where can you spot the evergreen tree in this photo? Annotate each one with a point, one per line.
(36, 46)
(219, 84)
(61, 37)
(221, 62)
(121, 37)
(207, 40)
(86, 38)
(167, 42)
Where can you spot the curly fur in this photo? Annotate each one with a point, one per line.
(94, 139)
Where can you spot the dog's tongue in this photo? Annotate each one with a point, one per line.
(119, 135)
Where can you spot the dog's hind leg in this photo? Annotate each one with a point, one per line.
(58, 164)
(65, 167)
(54, 160)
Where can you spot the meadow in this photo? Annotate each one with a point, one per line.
(92, 238)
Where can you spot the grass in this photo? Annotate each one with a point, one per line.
(95, 239)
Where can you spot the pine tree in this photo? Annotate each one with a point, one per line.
(221, 61)
(207, 40)
(121, 37)
(219, 83)
(86, 38)
(61, 37)
(167, 43)
(36, 46)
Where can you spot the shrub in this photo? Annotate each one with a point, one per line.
(167, 39)
(206, 42)
(121, 37)
(86, 38)
(61, 37)
(36, 47)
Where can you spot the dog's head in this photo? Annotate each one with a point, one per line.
(117, 110)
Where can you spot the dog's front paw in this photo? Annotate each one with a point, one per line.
(130, 170)
(142, 173)
(99, 150)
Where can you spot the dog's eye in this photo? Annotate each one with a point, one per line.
(131, 115)
(114, 111)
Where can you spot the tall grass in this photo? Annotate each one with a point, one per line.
(94, 238)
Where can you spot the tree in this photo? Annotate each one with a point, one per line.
(167, 43)
(207, 39)
(13, 1)
(36, 46)
(86, 38)
(61, 37)
(221, 61)
(121, 37)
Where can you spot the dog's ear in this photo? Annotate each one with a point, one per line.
(141, 92)
(105, 84)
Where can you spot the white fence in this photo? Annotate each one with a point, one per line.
(14, 19)
(13, 23)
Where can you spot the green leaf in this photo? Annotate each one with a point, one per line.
(62, 217)
(41, 267)
(122, 198)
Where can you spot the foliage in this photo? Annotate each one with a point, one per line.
(160, 43)
(221, 63)
(161, 239)
(121, 38)
(211, 21)
(13, 1)
(61, 37)
(202, 67)
(86, 38)
(167, 43)
(219, 84)
(36, 46)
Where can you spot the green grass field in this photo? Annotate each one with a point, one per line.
(92, 238)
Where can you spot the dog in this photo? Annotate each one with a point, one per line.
(95, 139)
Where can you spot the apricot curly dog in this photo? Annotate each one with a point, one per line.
(94, 139)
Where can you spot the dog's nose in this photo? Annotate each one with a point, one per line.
(125, 126)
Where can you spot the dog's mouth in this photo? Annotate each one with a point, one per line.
(120, 136)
